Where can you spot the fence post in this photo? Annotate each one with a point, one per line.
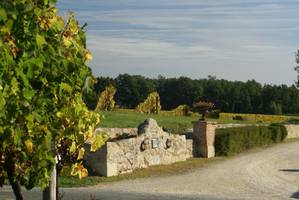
(157, 101)
(50, 192)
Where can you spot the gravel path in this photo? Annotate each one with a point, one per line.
(272, 173)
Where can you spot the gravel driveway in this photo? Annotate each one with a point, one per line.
(272, 173)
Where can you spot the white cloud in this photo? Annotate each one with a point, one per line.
(138, 48)
(232, 39)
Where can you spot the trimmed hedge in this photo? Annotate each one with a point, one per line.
(230, 141)
(255, 117)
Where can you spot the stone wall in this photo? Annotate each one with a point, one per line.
(149, 146)
(231, 125)
(132, 148)
(118, 133)
(293, 131)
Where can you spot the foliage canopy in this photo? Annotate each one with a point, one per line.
(150, 105)
(42, 73)
(106, 100)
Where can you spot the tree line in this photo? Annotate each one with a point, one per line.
(228, 96)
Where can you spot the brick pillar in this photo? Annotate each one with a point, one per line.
(204, 136)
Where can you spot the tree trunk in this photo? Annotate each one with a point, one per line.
(16, 189)
(10, 169)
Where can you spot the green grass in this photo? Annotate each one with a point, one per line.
(154, 171)
(122, 119)
(130, 119)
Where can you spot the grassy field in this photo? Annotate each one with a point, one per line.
(174, 124)
(130, 119)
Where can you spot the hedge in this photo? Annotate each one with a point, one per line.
(230, 141)
(256, 117)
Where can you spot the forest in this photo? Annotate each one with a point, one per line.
(228, 96)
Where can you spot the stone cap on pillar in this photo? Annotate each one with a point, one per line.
(202, 121)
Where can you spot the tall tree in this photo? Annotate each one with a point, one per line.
(132, 90)
(178, 91)
(42, 73)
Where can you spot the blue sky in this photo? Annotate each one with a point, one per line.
(230, 39)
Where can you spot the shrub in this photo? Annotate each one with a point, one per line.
(181, 110)
(213, 114)
(238, 117)
(150, 105)
(203, 107)
(106, 100)
(235, 140)
(255, 117)
(43, 68)
(292, 121)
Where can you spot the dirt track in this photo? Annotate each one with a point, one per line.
(272, 173)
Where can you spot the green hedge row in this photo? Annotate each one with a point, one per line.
(230, 141)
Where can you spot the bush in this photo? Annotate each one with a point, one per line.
(292, 121)
(238, 117)
(255, 117)
(150, 105)
(230, 141)
(43, 71)
(106, 100)
(181, 110)
(213, 114)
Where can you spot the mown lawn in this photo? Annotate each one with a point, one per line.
(131, 119)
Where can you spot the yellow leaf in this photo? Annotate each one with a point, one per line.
(80, 170)
(29, 146)
(88, 135)
(81, 153)
(59, 114)
(73, 148)
(83, 173)
(98, 141)
(88, 55)
(67, 41)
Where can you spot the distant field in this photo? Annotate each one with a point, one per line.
(123, 119)
(131, 119)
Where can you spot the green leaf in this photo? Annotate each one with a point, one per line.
(2, 101)
(17, 137)
(14, 86)
(40, 40)
(9, 24)
(59, 24)
(28, 94)
(22, 75)
(3, 15)
(73, 148)
(64, 87)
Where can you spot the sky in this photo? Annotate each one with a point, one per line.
(230, 39)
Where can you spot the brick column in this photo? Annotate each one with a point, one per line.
(204, 136)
